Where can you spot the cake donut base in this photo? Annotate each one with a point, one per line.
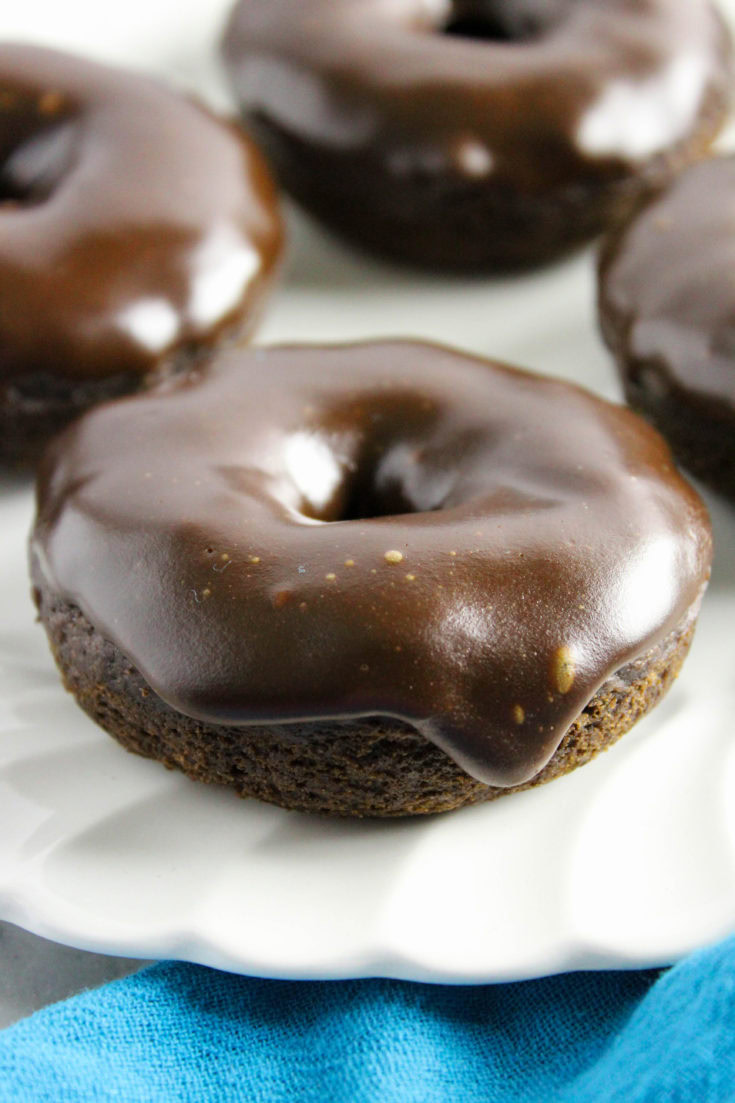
(375, 766)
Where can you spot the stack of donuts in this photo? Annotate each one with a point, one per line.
(386, 578)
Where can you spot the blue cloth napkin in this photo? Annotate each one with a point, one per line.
(184, 1032)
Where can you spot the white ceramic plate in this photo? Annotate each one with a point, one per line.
(630, 861)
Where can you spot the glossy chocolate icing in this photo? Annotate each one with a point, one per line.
(405, 106)
(381, 529)
(668, 292)
(135, 227)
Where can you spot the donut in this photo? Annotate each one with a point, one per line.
(137, 232)
(379, 579)
(667, 312)
(477, 134)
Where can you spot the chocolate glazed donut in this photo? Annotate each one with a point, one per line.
(368, 580)
(136, 232)
(477, 134)
(667, 310)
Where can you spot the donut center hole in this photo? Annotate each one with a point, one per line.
(503, 20)
(32, 165)
(365, 501)
(376, 455)
(477, 26)
(380, 478)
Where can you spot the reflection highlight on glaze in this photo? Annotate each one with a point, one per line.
(636, 119)
(152, 323)
(646, 584)
(473, 158)
(310, 462)
(223, 267)
(303, 102)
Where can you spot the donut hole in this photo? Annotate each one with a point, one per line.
(32, 165)
(407, 477)
(386, 454)
(503, 20)
(489, 27)
(371, 490)
(378, 479)
(365, 500)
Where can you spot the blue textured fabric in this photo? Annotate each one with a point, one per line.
(183, 1032)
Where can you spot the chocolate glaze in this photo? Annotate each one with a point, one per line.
(668, 294)
(385, 113)
(134, 225)
(379, 529)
